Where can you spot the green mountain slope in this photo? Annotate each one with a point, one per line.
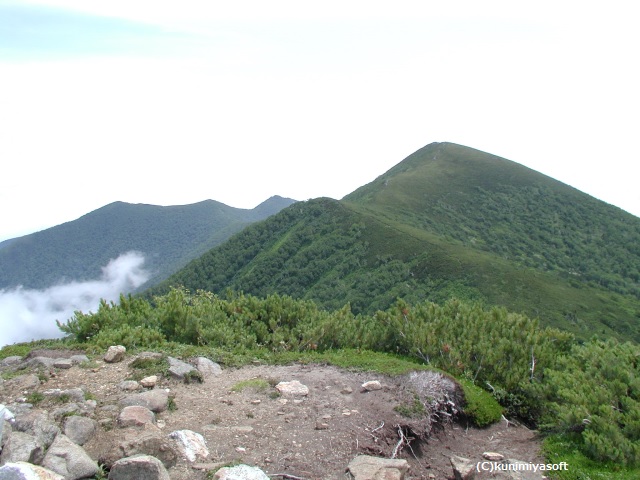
(168, 237)
(447, 221)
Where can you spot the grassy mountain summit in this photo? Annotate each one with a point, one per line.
(494, 205)
(168, 237)
(447, 221)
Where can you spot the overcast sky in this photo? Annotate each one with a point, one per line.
(167, 102)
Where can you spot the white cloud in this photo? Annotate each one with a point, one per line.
(27, 315)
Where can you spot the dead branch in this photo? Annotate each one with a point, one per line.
(400, 443)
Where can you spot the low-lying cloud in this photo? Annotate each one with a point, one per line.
(27, 315)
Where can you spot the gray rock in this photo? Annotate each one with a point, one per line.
(136, 416)
(293, 388)
(69, 395)
(46, 362)
(63, 363)
(69, 460)
(208, 368)
(129, 385)
(27, 471)
(22, 447)
(241, 472)
(365, 467)
(78, 359)
(138, 467)
(191, 444)
(9, 361)
(115, 354)
(80, 429)
(155, 400)
(37, 423)
(65, 411)
(153, 443)
(463, 468)
(179, 369)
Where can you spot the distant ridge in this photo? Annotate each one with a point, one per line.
(168, 237)
(447, 221)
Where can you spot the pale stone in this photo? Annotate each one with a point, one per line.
(372, 385)
(115, 353)
(191, 444)
(149, 382)
(138, 467)
(463, 468)
(493, 456)
(365, 467)
(80, 429)
(292, 388)
(135, 416)
(240, 472)
(69, 460)
(27, 471)
(155, 400)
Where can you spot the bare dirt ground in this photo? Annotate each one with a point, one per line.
(311, 437)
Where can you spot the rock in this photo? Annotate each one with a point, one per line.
(292, 388)
(240, 472)
(6, 416)
(130, 386)
(22, 447)
(78, 359)
(191, 444)
(69, 460)
(155, 400)
(65, 411)
(46, 362)
(365, 467)
(136, 416)
(207, 368)
(9, 361)
(63, 363)
(149, 382)
(22, 382)
(80, 429)
(115, 354)
(37, 423)
(493, 456)
(138, 467)
(27, 471)
(372, 385)
(152, 443)
(64, 396)
(182, 370)
(463, 468)
(346, 390)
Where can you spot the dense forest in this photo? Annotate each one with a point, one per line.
(168, 237)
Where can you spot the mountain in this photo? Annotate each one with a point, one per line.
(447, 221)
(168, 237)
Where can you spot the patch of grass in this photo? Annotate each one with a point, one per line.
(89, 396)
(9, 374)
(480, 407)
(145, 367)
(411, 409)
(193, 376)
(64, 398)
(35, 398)
(256, 384)
(171, 404)
(567, 448)
(88, 365)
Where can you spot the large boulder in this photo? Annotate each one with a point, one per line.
(155, 400)
(115, 354)
(365, 467)
(80, 429)
(207, 367)
(292, 388)
(182, 370)
(191, 444)
(136, 416)
(27, 471)
(69, 460)
(138, 467)
(463, 468)
(22, 447)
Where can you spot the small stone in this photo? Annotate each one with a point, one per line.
(129, 386)
(241, 449)
(321, 426)
(372, 385)
(115, 354)
(292, 388)
(346, 390)
(137, 467)
(493, 456)
(244, 472)
(256, 402)
(463, 468)
(191, 444)
(149, 382)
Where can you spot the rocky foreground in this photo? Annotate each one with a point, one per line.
(65, 416)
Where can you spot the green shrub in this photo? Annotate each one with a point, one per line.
(480, 407)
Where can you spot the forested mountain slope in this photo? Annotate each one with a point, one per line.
(447, 221)
(168, 237)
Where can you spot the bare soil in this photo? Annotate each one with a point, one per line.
(311, 437)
